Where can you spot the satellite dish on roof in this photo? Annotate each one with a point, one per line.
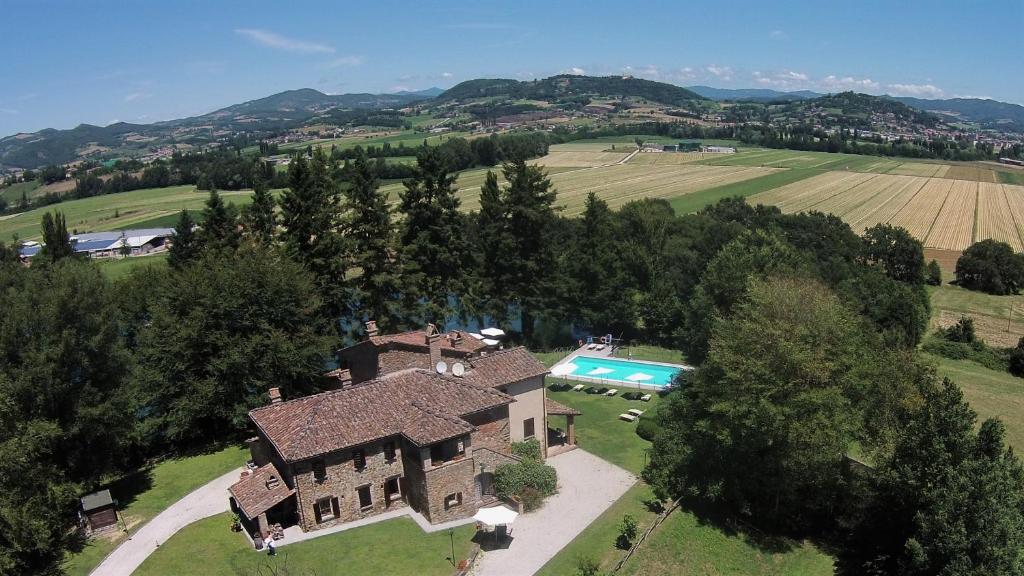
(441, 367)
(458, 369)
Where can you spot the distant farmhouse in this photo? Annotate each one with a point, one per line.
(113, 244)
(687, 146)
(420, 419)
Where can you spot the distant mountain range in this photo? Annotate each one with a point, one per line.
(295, 108)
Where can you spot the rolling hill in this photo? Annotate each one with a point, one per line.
(568, 86)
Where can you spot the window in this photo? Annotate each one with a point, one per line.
(319, 470)
(325, 509)
(392, 490)
(365, 500)
(389, 451)
(446, 451)
(528, 428)
(453, 500)
(359, 459)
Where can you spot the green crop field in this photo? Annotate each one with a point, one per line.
(116, 211)
(694, 202)
(12, 194)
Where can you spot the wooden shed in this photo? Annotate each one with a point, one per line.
(98, 510)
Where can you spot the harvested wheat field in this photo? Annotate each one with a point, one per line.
(579, 158)
(971, 173)
(622, 183)
(943, 213)
(666, 158)
(920, 169)
(994, 217)
(953, 228)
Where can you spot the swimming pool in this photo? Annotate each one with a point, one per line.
(619, 371)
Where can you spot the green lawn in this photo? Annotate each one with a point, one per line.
(394, 547)
(116, 211)
(991, 393)
(693, 202)
(651, 353)
(12, 194)
(1007, 177)
(116, 268)
(143, 495)
(599, 430)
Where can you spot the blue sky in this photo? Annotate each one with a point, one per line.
(67, 62)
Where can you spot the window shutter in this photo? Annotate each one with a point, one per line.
(316, 512)
(335, 507)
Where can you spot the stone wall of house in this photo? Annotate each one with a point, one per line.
(416, 492)
(451, 478)
(399, 359)
(492, 427)
(342, 482)
(529, 395)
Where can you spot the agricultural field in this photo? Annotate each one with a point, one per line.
(12, 194)
(579, 159)
(943, 213)
(116, 211)
(666, 158)
(920, 169)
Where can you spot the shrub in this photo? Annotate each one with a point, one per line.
(587, 566)
(962, 331)
(527, 450)
(512, 479)
(933, 274)
(977, 351)
(647, 428)
(627, 532)
(531, 498)
(1016, 360)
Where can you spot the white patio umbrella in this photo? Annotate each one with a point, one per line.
(493, 332)
(638, 378)
(564, 369)
(495, 516)
(600, 371)
(490, 342)
(477, 336)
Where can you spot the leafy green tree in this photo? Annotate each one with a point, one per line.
(56, 241)
(435, 254)
(65, 421)
(992, 267)
(221, 333)
(186, 245)
(220, 224)
(370, 229)
(896, 251)
(763, 425)
(312, 221)
(9, 254)
(948, 500)
(962, 331)
(260, 220)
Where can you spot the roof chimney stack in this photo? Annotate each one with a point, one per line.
(275, 395)
(434, 342)
(371, 328)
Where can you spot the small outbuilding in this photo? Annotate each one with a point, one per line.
(98, 510)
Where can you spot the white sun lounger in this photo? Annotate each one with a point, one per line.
(646, 398)
(599, 347)
(635, 412)
(578, 387)
(627, 417)
(612, 392)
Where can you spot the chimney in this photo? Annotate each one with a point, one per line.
(275, 395)
(455, 338)
(272, 482)
(434, 342)
(371, 328)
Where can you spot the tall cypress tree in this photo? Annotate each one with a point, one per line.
(56, 242)
(186, 245)
(369, 227)
(260, 219)
(311, 219)
(493, 246)
(220, 224)
(434, 251)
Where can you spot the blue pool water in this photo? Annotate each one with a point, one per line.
(618, 371)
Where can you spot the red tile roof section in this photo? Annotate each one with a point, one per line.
(504, 367)
(260, 491)
(418, 338)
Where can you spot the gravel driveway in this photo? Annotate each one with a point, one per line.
(587, 486)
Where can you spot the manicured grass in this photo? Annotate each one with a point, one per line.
(650, 353)
(143, 495)
(164, 221)
(694, 202)
(393, 547)
(116, 268)
(599, 430)
(686, 544)
(991, 393)
(115, 211)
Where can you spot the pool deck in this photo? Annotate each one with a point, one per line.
(607, 353)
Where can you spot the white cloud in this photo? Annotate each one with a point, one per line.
(480, 26)
(721, 72)
(132, 97)
(274, 40)
(575, 71)
(778, 35)
(649, 71)
(916, 90)
(10, 111)
(447, 75)
(787, 79)
(835, 83)
(344, 61)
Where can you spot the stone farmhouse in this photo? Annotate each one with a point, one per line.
(418, 419)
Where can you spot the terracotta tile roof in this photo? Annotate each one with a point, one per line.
(418, 339)
(504, 367)
(555, 409)
(420, 404)
(260, 491)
